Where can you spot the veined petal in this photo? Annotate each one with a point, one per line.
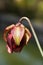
(17, 34)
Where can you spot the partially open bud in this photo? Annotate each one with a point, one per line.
(18, 36)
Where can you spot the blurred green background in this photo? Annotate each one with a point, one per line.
(10, 12)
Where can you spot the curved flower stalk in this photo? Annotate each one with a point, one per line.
(34, 34)
(17, 36)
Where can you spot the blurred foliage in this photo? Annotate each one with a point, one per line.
(30, 55)
(31, 8)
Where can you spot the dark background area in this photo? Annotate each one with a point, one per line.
(10, 12)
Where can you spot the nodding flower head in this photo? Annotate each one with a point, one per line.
(16, 36)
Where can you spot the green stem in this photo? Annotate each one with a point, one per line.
(34, 34)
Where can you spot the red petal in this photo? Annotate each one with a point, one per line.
(9, 43)
(8, 49)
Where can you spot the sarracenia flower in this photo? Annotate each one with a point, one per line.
(16, 36)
